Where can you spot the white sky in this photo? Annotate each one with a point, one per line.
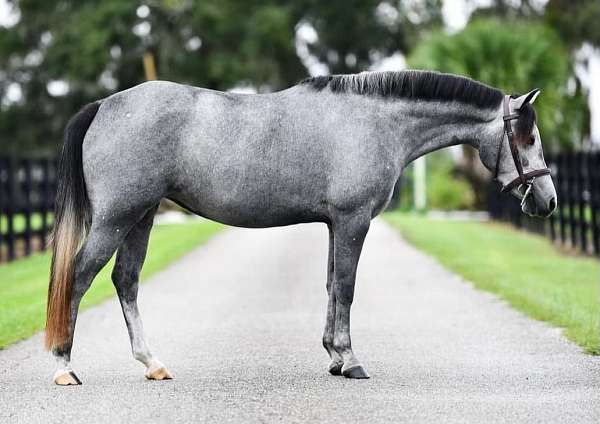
(8, 15)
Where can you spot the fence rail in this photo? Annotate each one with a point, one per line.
(28, 186)
(576, 223)
(27, 189)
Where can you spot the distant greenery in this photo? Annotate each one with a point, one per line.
(577, 20)
(515, 57)
(96, 46)
(445, 188)
(523, 269)
(24, 283)
(19, 222)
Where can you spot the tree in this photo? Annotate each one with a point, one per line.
(95, 48)
(355, 33)
(508, 9)
(576, 20)
(514, 57)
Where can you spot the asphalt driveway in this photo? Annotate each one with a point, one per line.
(239, 323)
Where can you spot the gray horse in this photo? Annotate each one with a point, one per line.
(326, 150)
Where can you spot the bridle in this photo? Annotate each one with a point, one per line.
(524, 179)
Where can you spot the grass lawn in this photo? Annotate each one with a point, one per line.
(524, 269)
(24, 283)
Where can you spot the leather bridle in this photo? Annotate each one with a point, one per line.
(525, 178)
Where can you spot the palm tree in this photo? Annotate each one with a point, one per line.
(515, 57)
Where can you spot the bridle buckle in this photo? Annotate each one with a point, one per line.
(529, 185)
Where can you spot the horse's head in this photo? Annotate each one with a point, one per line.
(519, 158)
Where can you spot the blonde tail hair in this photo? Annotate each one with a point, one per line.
(72, 218)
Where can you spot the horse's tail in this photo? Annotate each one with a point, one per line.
(72, 218)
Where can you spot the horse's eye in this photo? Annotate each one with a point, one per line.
(531, 140)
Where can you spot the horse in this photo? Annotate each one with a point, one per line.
(328, 149)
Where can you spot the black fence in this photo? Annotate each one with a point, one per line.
(27, 189)
(576, 223)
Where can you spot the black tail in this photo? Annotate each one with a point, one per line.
(72, 218)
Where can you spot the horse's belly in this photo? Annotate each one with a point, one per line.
(252, 210)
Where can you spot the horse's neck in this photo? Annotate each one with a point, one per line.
(429, 126)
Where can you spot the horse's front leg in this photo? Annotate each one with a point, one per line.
(335, 367)
(349, 235)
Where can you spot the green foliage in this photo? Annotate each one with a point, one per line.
(220, 44)
(515, 57)
(217, 44)
(446, 190)
(576, 20)
(523, 269)
(365, 29)
(23, 283)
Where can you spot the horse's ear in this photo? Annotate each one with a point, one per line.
(530, 97)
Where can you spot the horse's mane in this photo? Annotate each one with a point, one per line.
(423, 85)
(411, 84)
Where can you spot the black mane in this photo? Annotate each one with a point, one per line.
(423, 85)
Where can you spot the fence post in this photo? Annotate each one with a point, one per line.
(572, 190)
(26, 189)
(552, 219)
(594, 187)
(2, 204)
(580, 200)
(10, 230)
(44, 194)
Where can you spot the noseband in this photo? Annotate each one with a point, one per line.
(524, 179)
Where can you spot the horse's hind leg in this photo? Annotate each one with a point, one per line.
(125, 276)
(335, 367)
(101, 243)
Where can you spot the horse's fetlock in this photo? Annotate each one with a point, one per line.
(141, 356)
(341, 344)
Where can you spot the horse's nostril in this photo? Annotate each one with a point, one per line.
(552, 204)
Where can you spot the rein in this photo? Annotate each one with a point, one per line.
(525, 178)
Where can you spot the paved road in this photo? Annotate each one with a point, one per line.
(239, 324)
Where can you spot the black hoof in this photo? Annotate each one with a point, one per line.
(357, 372)
(335, 368)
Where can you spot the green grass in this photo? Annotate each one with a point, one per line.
(23, 283)
(524, 269)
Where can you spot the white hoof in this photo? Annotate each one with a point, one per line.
(66, 378)
(157, 371)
